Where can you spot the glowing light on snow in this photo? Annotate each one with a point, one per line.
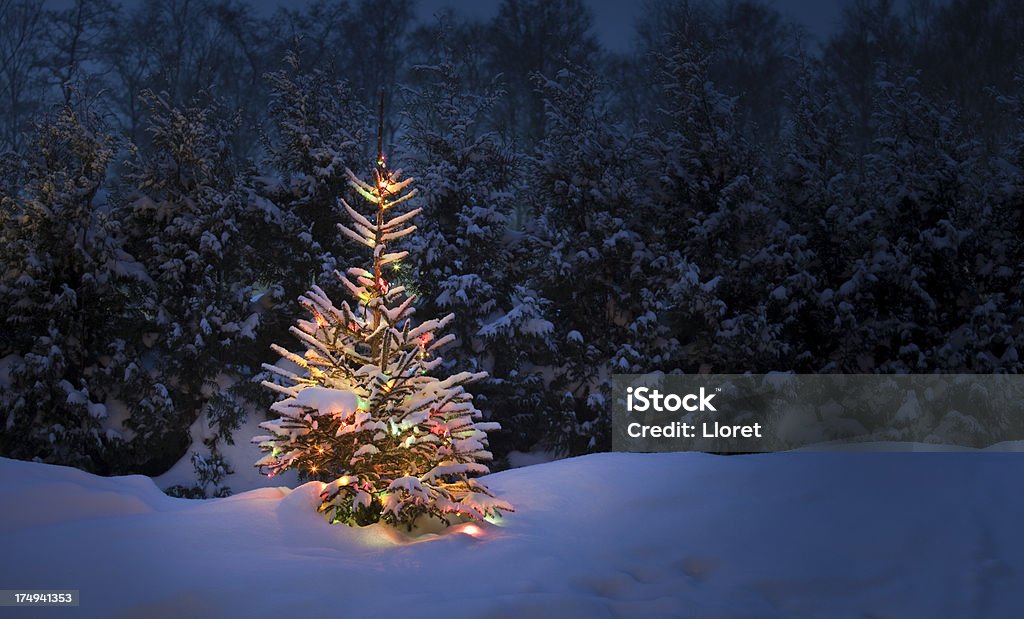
(472, 530)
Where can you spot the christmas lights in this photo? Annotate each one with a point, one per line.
(363, 413)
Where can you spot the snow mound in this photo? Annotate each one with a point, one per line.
(38, 494)
(608, 535)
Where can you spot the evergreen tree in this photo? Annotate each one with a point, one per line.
(713, 184)
(925, 288)
(469, 256)
(362, 410)
(816, 192)
(70, 298)
(314, 135)
(599, 217)
(196, 222)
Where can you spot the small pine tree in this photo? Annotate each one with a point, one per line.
(362, 411)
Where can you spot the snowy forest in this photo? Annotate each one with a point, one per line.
(732, 195)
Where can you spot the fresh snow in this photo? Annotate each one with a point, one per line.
(609, 535)
(324, 400)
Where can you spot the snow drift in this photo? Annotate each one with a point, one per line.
(608, 535)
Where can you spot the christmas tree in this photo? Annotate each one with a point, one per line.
(362, 410)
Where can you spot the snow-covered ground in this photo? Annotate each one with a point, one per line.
(859, 535)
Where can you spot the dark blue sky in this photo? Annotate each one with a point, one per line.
(613, 19)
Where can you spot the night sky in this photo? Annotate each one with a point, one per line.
(613, 19)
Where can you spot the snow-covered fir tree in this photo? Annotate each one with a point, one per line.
(70, 298)
(198, 226)
(816, 195)
(314, 134)
(458, 250)
(605, 267)
(719, 216)
(362, 410)
(469, 255)
(929, 225)
(1006, 240)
